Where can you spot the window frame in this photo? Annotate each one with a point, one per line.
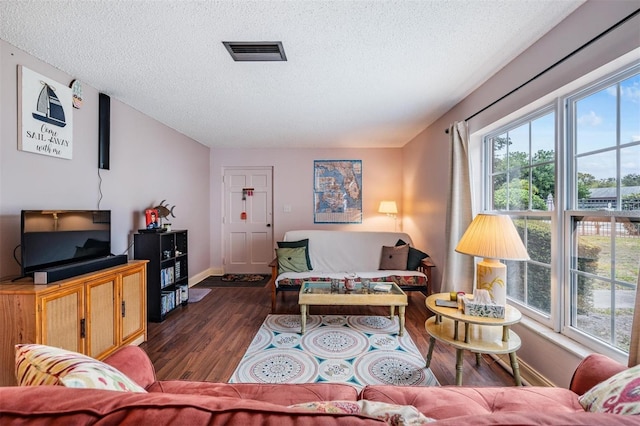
(550, 320)
(559, 318)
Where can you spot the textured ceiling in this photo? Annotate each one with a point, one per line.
(359, 73)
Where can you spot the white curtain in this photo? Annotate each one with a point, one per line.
(458, 268)
(634, 347)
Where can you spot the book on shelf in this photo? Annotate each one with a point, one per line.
(167, 276)
(167, 302)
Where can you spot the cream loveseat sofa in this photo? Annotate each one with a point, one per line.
(334, 254)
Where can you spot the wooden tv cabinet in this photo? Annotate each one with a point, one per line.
(94, 314)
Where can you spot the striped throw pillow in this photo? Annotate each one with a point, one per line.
(45, 365)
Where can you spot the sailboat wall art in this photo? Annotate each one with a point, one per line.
(45, 119)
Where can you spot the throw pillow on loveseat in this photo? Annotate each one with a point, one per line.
(46, 365)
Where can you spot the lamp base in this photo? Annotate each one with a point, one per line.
(492, 276)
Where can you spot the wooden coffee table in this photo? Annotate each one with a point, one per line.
(319, 293)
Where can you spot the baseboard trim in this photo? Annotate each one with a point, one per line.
(195, 279)
(529, 376)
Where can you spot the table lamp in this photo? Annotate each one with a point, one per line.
(493, 237)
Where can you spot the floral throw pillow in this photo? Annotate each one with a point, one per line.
(392, 414)
(620, 394)
(45, 365)
(336, 407)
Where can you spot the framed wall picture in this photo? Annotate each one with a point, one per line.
(337, 191)
(45, 117)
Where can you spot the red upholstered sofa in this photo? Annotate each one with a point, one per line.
(177, 402)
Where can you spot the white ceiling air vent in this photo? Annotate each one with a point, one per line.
(255, 50)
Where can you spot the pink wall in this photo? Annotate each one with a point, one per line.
(425, 158)
(149, 162)
(293, 185)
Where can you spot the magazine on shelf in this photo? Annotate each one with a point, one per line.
(382, 287)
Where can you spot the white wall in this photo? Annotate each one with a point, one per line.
(293, 185)
(426, 158)
(149, 162)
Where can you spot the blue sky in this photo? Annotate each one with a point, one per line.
(596, 129)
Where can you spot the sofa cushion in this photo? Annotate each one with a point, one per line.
(45, 365)
(394, 257)
(292, 259)
(541, 417)
(452, 401)
(281, 394)
(293, 280)
(414, 258)
(393, 414)
(56, 405)
(300, 243)
(619, 394)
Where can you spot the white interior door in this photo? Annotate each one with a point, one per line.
(247, 227)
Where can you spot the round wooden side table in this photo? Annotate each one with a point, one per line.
(480, 335)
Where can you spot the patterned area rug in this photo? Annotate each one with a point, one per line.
(357, 350)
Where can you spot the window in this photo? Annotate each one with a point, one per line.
(573, 192)
(603, 220)
(522, 181)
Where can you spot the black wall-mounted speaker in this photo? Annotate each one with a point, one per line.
(104, 130)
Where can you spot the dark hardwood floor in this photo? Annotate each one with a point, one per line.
(205, 341)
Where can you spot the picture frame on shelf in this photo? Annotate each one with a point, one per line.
(152, 219)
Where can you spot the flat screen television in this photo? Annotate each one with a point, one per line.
(51, 238)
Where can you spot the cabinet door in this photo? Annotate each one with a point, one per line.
(62, 317)
(133, 305)
(102, 316)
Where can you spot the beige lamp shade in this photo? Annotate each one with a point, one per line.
(492, 237)
(388, 207)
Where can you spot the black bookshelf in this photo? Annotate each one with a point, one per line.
(167, 271)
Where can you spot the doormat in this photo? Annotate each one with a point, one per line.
(197, 294)
(356, 350)
(242, 277)
(219, 281)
